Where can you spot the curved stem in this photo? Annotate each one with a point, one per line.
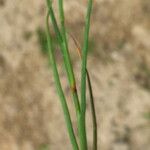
(67, 61)
(93, 112)
(59, 88)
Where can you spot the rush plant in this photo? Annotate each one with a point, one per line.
(79, 100)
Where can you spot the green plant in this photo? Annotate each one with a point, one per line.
(79, 103)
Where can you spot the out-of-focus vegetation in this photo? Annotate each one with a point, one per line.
(42, 40)
(44, 147)
(142, 75)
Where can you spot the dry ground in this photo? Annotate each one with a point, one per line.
(30, 112)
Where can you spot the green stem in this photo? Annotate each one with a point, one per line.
(59, 88)
(83, 76)
(67, 57)
(68, 66)
(93, 112)
(65, 45)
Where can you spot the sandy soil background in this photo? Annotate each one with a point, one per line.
(119, 63)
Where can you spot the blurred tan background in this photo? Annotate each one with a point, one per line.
(119, 64)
